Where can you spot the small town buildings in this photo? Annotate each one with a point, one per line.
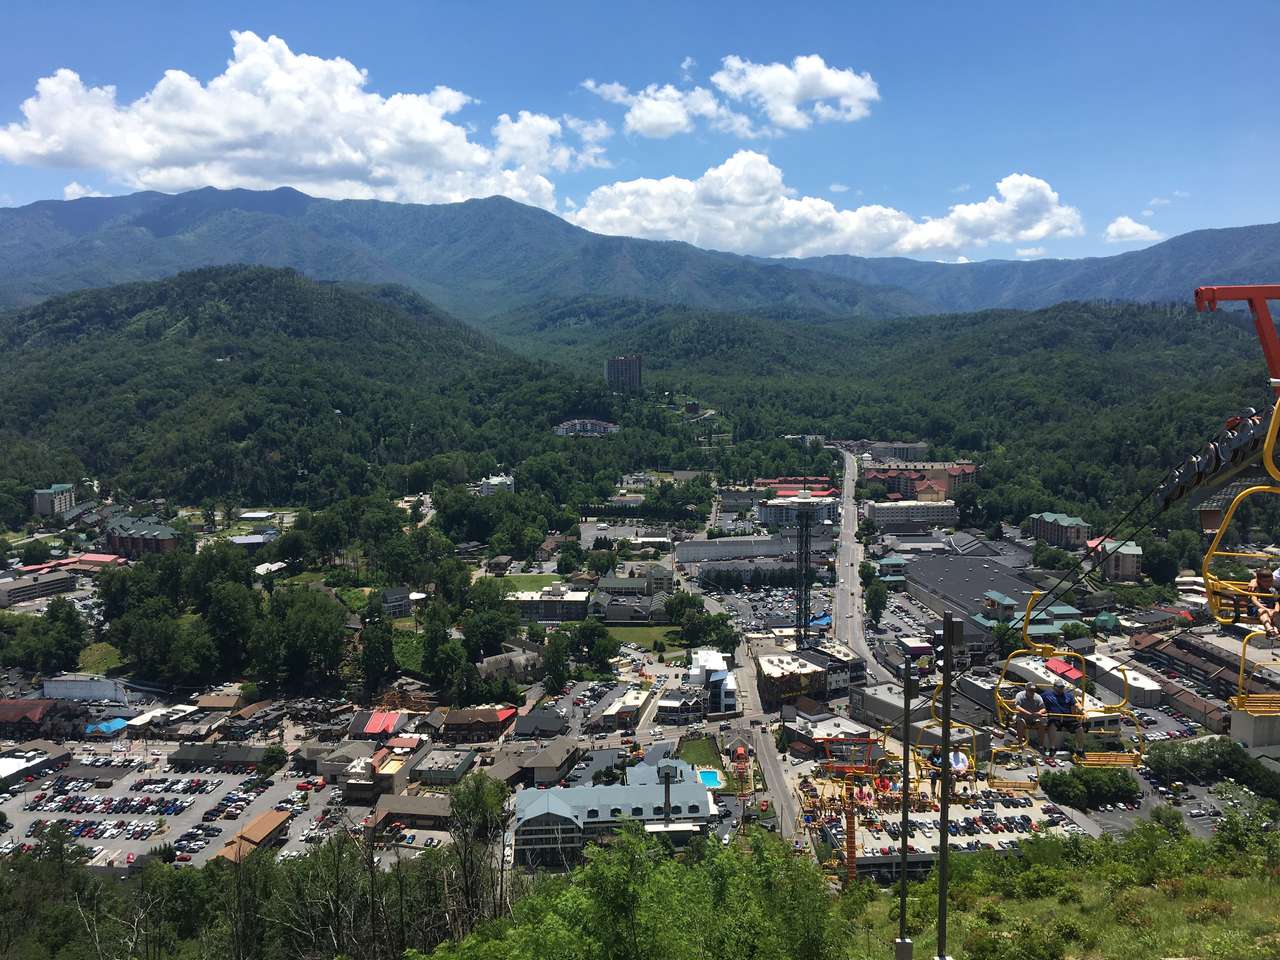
(423, 811)
(540, 723)
(260, 834)
(22, 589)
(478, 724)
(681, 705)
(521, 665)
(442, 768)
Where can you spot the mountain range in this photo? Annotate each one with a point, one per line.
(482, 259)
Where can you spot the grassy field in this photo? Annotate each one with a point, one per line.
(408, 649)
(701, 752)
(644, 636)
(99, 658)
(530, 581)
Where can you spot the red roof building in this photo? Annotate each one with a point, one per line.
(1063, 669)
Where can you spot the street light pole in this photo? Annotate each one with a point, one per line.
(948, 634)
(902, 947)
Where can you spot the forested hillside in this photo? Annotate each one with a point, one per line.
(474, 258)
(1079, 406)
(1167, 271)
(268, 387)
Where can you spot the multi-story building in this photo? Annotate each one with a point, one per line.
(782, 678)
(138, 536)
(710, 670)
(922, 480)
(21, 589)
(552, 604)
(584, 427)
(896, 449)
(1059, 529)
(680, 705)
(890, 514)
(1118, 560)
(54, 500)
(553, 826)
(498, 483)
(623, 374)
(784, 511)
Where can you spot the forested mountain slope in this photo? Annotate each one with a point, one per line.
(1168, 271)
(261, 381)
(1077, 406)
(474, 258)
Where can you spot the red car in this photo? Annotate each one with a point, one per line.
(184, 858)
(304, 785)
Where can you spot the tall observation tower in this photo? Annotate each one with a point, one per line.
(802, 510)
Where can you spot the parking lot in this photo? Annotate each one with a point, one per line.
(125, 808)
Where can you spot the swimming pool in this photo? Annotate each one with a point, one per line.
(711, 779)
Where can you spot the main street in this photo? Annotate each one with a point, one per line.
(847, 622)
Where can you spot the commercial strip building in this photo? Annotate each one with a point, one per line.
(30, 759)
(553, 826)
(1059, 529)
(85, 686)
(1114, 676)
(261, 832)
(22, 589)
(478, 724)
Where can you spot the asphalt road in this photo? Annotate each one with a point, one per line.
(848, 598)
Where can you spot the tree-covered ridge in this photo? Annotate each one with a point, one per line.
(1080, 406)
(1166, 271)
(263, 383)
(475, 258)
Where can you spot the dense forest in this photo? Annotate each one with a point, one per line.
(1078, 407)
(265, 386)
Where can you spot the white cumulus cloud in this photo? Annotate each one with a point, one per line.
(74, 191)
(1159, 202)
(659, 112)
(1030, 253)
(274, 117)
(839, 188)
(793, 96)
(744, 205)
(1129, 230)
(1148, 212)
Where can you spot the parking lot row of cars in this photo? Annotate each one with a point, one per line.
(182, 785)
(83, 829)
(105, 804)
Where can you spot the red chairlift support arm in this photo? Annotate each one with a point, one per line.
(1256, 295)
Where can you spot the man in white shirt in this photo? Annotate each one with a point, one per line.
(1030, 712)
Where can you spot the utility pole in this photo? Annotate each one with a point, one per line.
(902, 947)
(948, 635)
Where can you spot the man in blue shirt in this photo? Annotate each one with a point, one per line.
(1064, 716)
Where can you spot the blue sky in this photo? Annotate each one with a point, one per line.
(958, 130)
